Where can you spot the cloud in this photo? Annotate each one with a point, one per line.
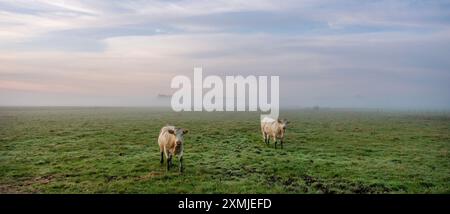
(28, 19)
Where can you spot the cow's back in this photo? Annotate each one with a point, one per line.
(266, 124)
(165, 137)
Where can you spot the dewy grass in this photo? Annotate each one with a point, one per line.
(114, 150)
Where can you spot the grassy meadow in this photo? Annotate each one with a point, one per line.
(114, 150)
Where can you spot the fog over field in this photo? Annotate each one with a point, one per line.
(359, 54)
(364, 102)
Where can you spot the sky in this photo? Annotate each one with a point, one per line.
(356, 54)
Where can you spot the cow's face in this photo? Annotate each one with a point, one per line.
(283, 125)
(179, 135)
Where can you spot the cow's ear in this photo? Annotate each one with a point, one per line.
(279, 121)
(286, 121)
(171, 131)
(185, 131)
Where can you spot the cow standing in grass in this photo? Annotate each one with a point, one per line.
(274, 129)
(170, 142)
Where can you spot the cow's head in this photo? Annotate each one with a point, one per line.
(282, 124)
(179, 134)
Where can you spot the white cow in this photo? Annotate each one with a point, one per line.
(170, 142)
(273, 128)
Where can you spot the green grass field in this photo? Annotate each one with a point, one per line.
(114, 150)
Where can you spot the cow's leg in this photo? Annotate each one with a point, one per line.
(263, 135)
(169, 162)
(281, 143)
(166, 153)
(181, 163)
(162, 158)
